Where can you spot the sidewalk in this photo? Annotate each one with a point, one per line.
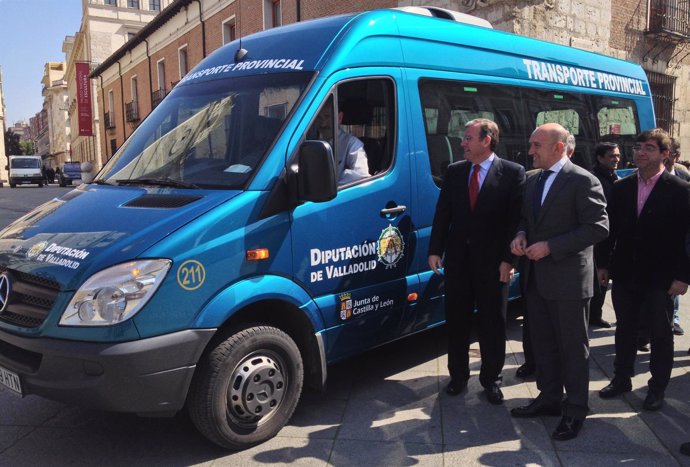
(388, 408)
(383, 408)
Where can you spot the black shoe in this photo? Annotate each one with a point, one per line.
(527, 369)
(615, 388)
(677, 330)
(685, 449)
(494, 394)
(535, 409)
(653, 401)
(643, 346)
(455, 387)
(599, 323)
(567, 429)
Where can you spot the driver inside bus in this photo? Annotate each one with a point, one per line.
(350, 155)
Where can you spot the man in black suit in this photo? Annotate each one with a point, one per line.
(607, 156)
(647, 260)
(476, 215)
(563, 216)
(674, 167)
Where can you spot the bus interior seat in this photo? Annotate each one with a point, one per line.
(456, 148)
(440, 154)
(376, 154)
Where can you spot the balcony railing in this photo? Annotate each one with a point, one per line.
(157, 97)
(132, 111)
(109, 120)
(669, 19)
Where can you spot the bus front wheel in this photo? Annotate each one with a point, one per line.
(247, 387)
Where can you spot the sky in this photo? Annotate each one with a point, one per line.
(31, 34)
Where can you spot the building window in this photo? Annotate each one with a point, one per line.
(110, 114)
(155, 5)
(133, 4)
(158, 95)
(130, 36)
(110, 2)
(160, 66)
(113, 146)
(132, 107)
(669, 19)
(272, 14)
(229, 30)
(135, 93)
(182, 56)
(663, 97)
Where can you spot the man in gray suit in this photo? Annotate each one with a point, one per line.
(563, 216)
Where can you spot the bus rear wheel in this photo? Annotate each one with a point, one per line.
(247, 387)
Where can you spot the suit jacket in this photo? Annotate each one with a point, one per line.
(572, 219)
(649, 251)
(607, 178)
(681, 172)
(488, 229)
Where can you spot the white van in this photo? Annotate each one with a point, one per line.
(25, 170)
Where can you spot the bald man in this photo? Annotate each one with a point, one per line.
(563, 216)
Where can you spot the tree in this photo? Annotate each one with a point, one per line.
(12, 145)
(27, 147)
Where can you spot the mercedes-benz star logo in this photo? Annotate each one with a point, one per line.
(5, 287)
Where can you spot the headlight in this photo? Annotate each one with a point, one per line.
(115, 294)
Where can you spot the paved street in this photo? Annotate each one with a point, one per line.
(384, 408)
(15, 202)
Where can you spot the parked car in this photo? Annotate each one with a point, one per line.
(70, 172)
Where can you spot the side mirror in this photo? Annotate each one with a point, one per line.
(316, 176)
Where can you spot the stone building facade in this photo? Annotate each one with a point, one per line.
(56, 151)
(144, 70)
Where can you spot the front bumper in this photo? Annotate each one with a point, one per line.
(25, 180)
(146, 376)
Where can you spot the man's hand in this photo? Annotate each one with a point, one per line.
(538, 250)
(603, 277)
(678, 288)
(517, 246)
(505, 272)
(435, 263)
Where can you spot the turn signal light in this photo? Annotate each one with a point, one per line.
(412, 297)
(258, 254)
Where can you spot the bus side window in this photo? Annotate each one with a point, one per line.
(448, 105)
(618, 123)
(365, 119)
(573, 112)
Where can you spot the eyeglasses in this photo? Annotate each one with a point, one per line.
(646, 147)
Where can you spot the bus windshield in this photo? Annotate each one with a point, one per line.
(208, 135)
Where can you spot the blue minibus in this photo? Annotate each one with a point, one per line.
(272, 215)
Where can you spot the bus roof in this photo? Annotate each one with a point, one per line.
(393, 37)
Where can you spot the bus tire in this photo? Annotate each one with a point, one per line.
(247, 387)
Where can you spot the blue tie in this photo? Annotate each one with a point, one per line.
(539, 191)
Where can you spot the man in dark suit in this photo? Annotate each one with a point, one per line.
(563, 216)
(647, 260)
(476, 215)
(675, 168)
(607, 156)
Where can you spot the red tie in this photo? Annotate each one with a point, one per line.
(474, 186)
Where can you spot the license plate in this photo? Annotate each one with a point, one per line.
(10, 380)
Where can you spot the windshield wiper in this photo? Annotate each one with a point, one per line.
(157, 182)
(100, 181)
